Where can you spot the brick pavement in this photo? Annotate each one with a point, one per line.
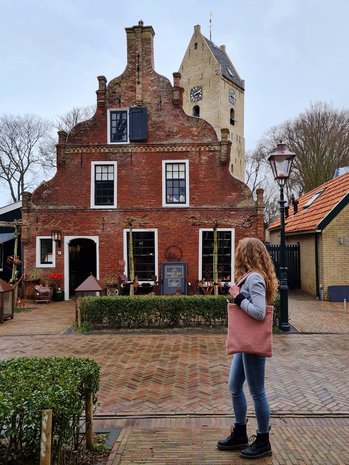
(167, 391)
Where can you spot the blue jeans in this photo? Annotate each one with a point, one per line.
(252, 368)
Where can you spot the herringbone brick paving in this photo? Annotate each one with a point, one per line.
(177, 383)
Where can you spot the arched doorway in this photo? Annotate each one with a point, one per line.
(82, 262)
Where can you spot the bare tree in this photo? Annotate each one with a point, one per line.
(20, 139)
(65, 123)
(320, 139)
(255, 169)
(258, 175)
(70, 119)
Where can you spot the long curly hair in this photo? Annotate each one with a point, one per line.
(252, 255)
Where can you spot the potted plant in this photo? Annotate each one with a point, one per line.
(30, 280)
(58, 293)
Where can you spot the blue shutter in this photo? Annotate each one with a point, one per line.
(138, 120)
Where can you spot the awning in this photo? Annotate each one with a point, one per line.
(5, 237)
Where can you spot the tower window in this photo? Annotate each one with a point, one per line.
(232, 116)
(196, 111)
(195, 45)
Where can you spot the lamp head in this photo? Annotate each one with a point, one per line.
(281, 163)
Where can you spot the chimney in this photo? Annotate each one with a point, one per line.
(140, 47)
(295, 204)
(260, 214)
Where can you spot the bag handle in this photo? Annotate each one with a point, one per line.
(243, 278)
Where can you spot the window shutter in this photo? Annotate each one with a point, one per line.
(138, 118)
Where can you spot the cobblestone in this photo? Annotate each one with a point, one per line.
(168, 394)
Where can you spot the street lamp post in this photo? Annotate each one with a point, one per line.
(281, 163)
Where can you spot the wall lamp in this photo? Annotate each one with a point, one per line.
(56, 235)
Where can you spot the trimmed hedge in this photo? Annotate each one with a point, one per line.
(152, 311)
(30, 385)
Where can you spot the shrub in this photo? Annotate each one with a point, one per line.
(152, 311)
(30, 385)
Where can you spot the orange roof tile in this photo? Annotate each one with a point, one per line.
(314, 216)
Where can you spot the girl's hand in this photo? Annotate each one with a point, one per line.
(234, 290)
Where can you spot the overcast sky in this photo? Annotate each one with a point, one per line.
(290, 52)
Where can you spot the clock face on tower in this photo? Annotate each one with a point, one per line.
(232, 96)
(196, 93)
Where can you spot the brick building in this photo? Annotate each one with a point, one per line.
(140, 162)
(319, 222)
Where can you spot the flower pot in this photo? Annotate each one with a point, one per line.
(58, 295)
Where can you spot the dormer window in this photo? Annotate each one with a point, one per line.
(232, 116)
(196, 111)
(127, 125)
(312, 199)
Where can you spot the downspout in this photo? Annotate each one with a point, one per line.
(317, 277)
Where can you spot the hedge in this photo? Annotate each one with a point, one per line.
(152, 311)
(30, 385)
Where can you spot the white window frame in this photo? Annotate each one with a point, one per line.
(92, 190)
(155, 231)
(232, 253)
(111, 110)
(175, 205)
(38, 254)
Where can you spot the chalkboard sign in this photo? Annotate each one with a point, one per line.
(174, 278)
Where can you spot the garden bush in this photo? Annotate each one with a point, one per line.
(30, 385)
(152, 311)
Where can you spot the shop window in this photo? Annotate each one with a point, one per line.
(225, 254)
(144, 253)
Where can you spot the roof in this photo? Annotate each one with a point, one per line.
(5, 237)
(10, 207)
(4, 286)
(227, 68)
(317, 208)
(91, 284)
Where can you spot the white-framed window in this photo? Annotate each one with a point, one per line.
(145, 253)
(103, 184)
(118, 126)
(45, 252)
(175, 183)
(127, 125)
(226, 240)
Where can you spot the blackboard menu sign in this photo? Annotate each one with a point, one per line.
(174, 278)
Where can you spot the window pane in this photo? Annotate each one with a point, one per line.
(118, 126)
(46, 256)
(175, 183)
(224, 255)
(104, 185)
(143, 254)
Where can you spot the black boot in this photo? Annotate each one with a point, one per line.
(237, 439)
(260, 447)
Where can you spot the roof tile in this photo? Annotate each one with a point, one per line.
(308, 219)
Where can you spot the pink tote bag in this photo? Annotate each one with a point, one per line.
(248, 335)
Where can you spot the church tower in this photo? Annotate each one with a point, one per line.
(214, 91)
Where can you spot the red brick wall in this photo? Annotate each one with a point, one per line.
(64, 202)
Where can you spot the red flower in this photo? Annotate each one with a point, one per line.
(56, 276)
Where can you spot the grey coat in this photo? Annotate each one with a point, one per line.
(254, 292)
